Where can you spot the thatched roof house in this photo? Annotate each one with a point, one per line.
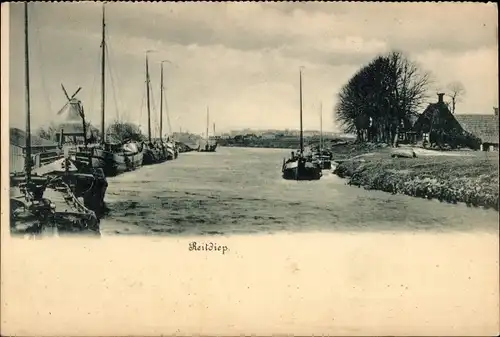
(483, 126)
(437, 116)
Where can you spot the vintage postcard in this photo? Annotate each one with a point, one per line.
(256, 168)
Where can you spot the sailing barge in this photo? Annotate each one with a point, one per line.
(299, 166)
(31, 211)
(112, 157)
(208, 146)
(320, 154)
(154, 151)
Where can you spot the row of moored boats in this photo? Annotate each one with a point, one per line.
(65, 188)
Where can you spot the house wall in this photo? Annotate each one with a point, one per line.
(16, 163)
(489, 147)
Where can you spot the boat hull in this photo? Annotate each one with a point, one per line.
(208, 148)
(326, 164)
(153, 156)
(112, 163)
(170, 151)
(56, 201)
(301, 170)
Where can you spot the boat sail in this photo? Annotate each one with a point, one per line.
(209, 146)
(153, 151)
(113, 157)
(31, 211)
(298, 166)
(169, 147)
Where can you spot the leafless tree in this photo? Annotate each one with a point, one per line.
(456, 91)
(382, 97)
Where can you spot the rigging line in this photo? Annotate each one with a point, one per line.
(112, 57)
(170, 131)
(41, 62)
(142, 106)
(116, 83)
(93, 88)
(153, 105)
(112, 80)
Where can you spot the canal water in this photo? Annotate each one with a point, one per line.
(240, 191)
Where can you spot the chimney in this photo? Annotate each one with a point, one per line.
(495, 111)
(440, 97)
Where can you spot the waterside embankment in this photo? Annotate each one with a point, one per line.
(469, 177)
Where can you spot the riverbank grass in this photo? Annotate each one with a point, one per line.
(470, 178)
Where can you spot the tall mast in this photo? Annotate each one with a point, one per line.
(321, 127)
(103, 75)
(161, 101)
(301, 132)
(214, 129)
(208, 114)
(147, 90)
(27, 163)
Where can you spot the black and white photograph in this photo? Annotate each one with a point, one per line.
(366, 128)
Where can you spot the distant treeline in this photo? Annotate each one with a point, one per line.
(117, 131)
(284, 142)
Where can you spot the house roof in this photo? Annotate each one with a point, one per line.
(482, 126)
(439, 116)
(18, 138)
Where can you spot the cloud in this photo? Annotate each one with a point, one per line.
(255, 26)
(242, 59)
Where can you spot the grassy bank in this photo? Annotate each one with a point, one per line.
(471, 178)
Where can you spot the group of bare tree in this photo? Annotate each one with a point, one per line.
(384, 97)
(455, 91)
(118, 131)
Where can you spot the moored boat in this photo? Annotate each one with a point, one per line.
(154, 151)
(299, 166)
(112, 157)
(171, 150)
(320, 154)
(323, 157)
(169, 146)
(33, 207)
(208, 145)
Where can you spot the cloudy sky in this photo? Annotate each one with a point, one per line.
(242, 59)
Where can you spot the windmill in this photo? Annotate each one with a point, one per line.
(75, 113)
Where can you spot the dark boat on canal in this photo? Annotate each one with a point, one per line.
(299, 166)
(154, 150)
(320, 154)
(169, 146)
(112, 157)
(208, 145)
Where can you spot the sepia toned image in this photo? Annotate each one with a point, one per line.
(158, 125)
(366, 132)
